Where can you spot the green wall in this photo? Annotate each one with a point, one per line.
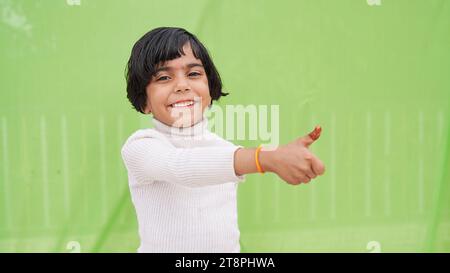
(376, 77)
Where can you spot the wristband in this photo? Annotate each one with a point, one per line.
(258, 166)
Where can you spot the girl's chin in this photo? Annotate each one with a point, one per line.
(184, 120)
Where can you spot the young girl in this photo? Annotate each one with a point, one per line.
(182, 177)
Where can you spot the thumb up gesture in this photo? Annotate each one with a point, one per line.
(295, 163)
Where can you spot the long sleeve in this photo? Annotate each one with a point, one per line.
(151, 159)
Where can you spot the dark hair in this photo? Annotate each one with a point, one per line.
(160, 45)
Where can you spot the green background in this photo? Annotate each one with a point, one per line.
(376, 77)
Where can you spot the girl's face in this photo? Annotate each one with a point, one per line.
(181, 79)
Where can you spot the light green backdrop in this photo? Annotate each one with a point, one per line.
(376, 77)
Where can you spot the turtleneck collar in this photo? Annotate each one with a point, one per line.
(195, 130)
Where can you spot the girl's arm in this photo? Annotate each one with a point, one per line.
(245, 163)
(149, 159)
(293, 162)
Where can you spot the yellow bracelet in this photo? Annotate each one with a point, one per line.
(257, 161)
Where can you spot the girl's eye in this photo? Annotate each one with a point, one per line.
(194, 74)
(162, 78)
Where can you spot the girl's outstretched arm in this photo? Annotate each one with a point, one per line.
(293, 162)
(150, 159)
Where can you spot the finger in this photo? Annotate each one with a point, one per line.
(309, 170)
(311, 137)
(317, 166)
(302, 177)
(310, 173)
(307, 179)
(293, 181)
(314, 135)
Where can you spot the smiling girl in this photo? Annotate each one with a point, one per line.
(183, 178)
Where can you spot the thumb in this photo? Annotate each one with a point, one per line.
(311, 137)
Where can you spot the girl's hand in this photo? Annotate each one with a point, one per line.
(294, 162)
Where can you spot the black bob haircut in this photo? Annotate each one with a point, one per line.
(158, 46)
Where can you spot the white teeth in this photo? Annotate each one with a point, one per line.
(183, 104)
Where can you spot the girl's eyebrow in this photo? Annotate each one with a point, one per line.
(168, 68)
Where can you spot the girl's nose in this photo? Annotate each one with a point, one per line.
(182, 85)
(181, 89)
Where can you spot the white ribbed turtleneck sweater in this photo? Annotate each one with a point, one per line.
(184, 188)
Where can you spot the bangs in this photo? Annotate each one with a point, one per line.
(170, 48)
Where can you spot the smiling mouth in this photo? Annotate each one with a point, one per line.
(184, 104)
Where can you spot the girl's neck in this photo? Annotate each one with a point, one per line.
(197, 129)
